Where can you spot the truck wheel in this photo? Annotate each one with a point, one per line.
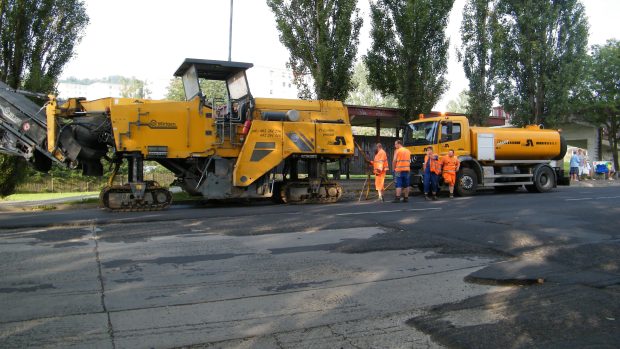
(466, 182)
(544, 180)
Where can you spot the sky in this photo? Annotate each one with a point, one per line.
(149, 39)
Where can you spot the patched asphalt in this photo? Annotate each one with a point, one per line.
(494, 270)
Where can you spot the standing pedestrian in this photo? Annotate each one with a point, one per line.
(431, 170)
(401, 164)
(380, 167)
(582, 164)
(450, 165)
(574, 166)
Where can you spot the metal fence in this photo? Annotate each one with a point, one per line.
(357, 165)
(50, 184)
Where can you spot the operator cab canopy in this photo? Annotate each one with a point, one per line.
(232, 72)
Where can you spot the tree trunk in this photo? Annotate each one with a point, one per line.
(613, 144)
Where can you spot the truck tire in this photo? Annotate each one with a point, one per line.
(466, 182)
(544, 180)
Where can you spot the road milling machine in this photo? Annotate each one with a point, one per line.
(238, 148)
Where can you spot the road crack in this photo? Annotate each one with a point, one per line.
(93, 230)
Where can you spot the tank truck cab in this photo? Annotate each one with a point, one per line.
(501, 158)
(439, 133)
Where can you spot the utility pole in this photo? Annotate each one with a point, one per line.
(230, 31)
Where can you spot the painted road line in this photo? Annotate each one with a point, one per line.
(390, 211)
(597, 198)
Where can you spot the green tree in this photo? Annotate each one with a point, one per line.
(134, 88)
(409, 53)
(461, 105)
(322, 38)
(210, 89)
(599, 99)
(37, 39)
(538, 53)
(475, 53)
(363, 94)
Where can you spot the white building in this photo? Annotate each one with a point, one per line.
(94, 90)
(269, 82)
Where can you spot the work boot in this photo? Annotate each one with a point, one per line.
(405, 199)
(396, 199)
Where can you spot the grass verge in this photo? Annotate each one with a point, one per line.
(45, 196)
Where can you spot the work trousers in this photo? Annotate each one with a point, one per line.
(431, 182)
(380, 181)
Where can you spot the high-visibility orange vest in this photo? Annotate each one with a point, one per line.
(380, 162)
(435, 166)
(450, 164)
(402, 159)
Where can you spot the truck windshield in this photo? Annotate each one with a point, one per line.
(421, 133)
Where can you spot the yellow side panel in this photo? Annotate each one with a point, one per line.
(261, 151)
(287, 104)
(103, 103)
(299, 138)
(334, 139)
(178, 126)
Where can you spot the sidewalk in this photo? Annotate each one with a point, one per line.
(52, 204)
(27, 205)
(590, 183)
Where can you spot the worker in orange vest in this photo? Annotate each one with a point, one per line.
(380, 167)
(450, 165)
(401, 164)
(431, 170)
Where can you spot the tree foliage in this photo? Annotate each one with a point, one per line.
(12, 172)
(210, 89)
(322, 38)
(599, 97)
(409, 53)
(539, 54)
(462, 105)
(37, 39)
(363, 94)
(134, 88)
(475, 53)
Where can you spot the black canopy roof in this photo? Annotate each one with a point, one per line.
(212, 70)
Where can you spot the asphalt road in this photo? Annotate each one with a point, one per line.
(493, 270)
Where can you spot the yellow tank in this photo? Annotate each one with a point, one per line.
(529, 143)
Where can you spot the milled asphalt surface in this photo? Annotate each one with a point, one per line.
(494, 270)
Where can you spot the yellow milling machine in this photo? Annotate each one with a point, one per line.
(239, 148)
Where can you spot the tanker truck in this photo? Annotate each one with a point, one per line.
(503, 158)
